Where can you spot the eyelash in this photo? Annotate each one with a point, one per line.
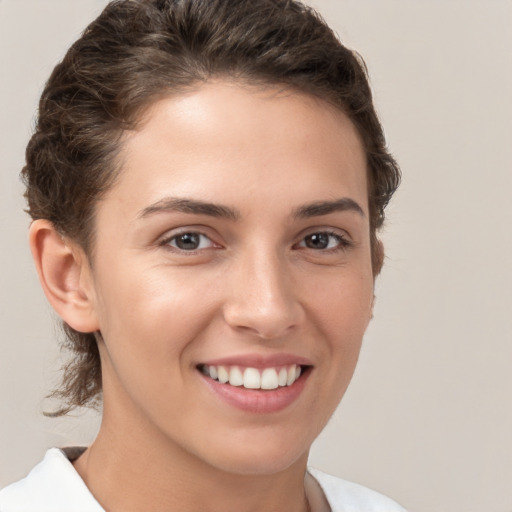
(342, 243)
(167, 242)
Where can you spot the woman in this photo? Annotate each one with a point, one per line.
(206, 182)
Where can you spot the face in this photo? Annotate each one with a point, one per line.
(234, 246)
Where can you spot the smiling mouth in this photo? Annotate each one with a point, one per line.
(253, 378)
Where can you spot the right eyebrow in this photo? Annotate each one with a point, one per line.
(185, 205)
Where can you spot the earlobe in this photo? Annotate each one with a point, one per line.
(64, 274)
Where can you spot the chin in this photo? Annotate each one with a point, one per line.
(261, 456)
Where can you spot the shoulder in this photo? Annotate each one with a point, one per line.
(344, 496)
(53, 485)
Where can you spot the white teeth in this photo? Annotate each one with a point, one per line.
(291, 375)
(212, 371)
(269, 379)
(223, 374)
(283, 377)
(252, 378)
(235, 376)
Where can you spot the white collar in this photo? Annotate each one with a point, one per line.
(55, 486)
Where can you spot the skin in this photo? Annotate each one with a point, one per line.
(252, 287)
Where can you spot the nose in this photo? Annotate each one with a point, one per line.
(262, 298)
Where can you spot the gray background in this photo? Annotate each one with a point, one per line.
(428, 417)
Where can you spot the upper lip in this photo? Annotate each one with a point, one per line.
(259, 360)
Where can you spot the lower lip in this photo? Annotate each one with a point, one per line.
(257, 400)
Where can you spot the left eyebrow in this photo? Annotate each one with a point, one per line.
(319, 208)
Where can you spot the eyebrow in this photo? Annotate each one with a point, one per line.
(325, 207)
(192, 206)
(183, 205)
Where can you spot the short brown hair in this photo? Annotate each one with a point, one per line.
(139, 50)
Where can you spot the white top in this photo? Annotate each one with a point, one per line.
(54, 486)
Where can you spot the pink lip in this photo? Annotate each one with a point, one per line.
(256, 400)
(259, 361)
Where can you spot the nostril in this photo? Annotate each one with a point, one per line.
(261, 324)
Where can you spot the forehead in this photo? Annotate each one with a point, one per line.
(225, 139)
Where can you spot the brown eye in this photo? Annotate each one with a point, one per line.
(190, 241)
(324, 241)
(317, 241)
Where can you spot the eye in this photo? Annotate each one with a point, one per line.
(189, 241)
(324, 240)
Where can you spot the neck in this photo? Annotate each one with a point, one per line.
(136, 468)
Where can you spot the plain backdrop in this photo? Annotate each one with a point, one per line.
(428, 417)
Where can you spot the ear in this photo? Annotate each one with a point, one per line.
(65, 276)
(377, 263)
(377, 257)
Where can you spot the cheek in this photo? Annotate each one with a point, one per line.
(149, 319)
(149, 325)
(340, 309)
(342, 306)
